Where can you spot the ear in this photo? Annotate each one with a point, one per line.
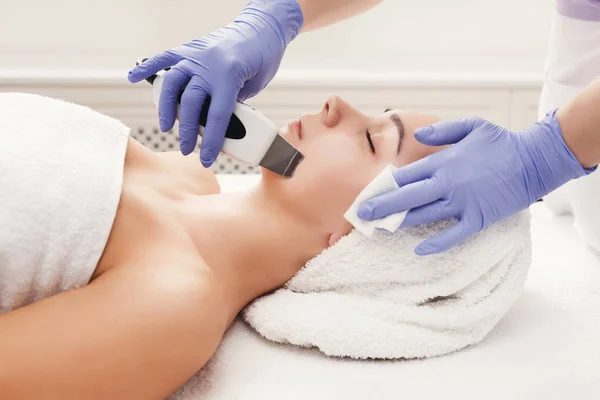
(334, 238)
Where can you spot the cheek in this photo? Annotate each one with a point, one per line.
(332, 174)
(328, 156)
(331, 184)
(326, 180)
(339, 167)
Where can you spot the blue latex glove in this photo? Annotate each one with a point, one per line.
(487, 176)
(233, 63)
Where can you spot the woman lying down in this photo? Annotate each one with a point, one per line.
(121, 269)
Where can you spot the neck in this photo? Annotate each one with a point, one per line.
(251, 243)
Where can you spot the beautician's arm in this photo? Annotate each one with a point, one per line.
(233, 64)
(321, 13)
(580, 125)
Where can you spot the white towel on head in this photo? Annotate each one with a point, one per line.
(373, 297)
(383, 183)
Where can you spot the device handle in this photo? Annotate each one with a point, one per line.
(249, 133)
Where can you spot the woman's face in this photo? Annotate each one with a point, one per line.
(343, 150)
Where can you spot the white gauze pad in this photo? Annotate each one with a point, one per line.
(384, 182)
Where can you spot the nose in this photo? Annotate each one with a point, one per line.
(336, 109)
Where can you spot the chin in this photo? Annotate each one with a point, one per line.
(268, 174)
(271, 179)
(299, 171)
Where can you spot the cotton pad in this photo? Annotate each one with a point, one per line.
(384, 182)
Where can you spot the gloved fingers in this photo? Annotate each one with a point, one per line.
(401, 199)
(447, 132)
(219, 114)
(192, 101)
(427, 214)
(249, 90)
(417, 171)
(173, 85)
(152, 65)
(445, 240)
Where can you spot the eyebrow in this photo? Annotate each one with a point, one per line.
(395, 118)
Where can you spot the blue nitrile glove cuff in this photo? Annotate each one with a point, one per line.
(549, 159)
(284, 16)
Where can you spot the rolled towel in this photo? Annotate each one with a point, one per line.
(373, 297)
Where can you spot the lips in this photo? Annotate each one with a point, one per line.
(296, 127)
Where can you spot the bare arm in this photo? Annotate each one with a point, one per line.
(580, 125)
(131, 334)
(321, 13)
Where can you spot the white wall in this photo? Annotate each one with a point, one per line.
(399, 35)
(450, 58)
(439, 36)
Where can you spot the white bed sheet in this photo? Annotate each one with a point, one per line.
(547, 347)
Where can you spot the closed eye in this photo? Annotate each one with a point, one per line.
(370, 140)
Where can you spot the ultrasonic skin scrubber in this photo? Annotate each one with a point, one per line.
(250, 138)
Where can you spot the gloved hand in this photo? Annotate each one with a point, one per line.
(233, 63)
(488, 175)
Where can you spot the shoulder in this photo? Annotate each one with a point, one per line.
(132, 321)
(179, 295)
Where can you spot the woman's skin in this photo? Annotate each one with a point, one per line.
(182, 261)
